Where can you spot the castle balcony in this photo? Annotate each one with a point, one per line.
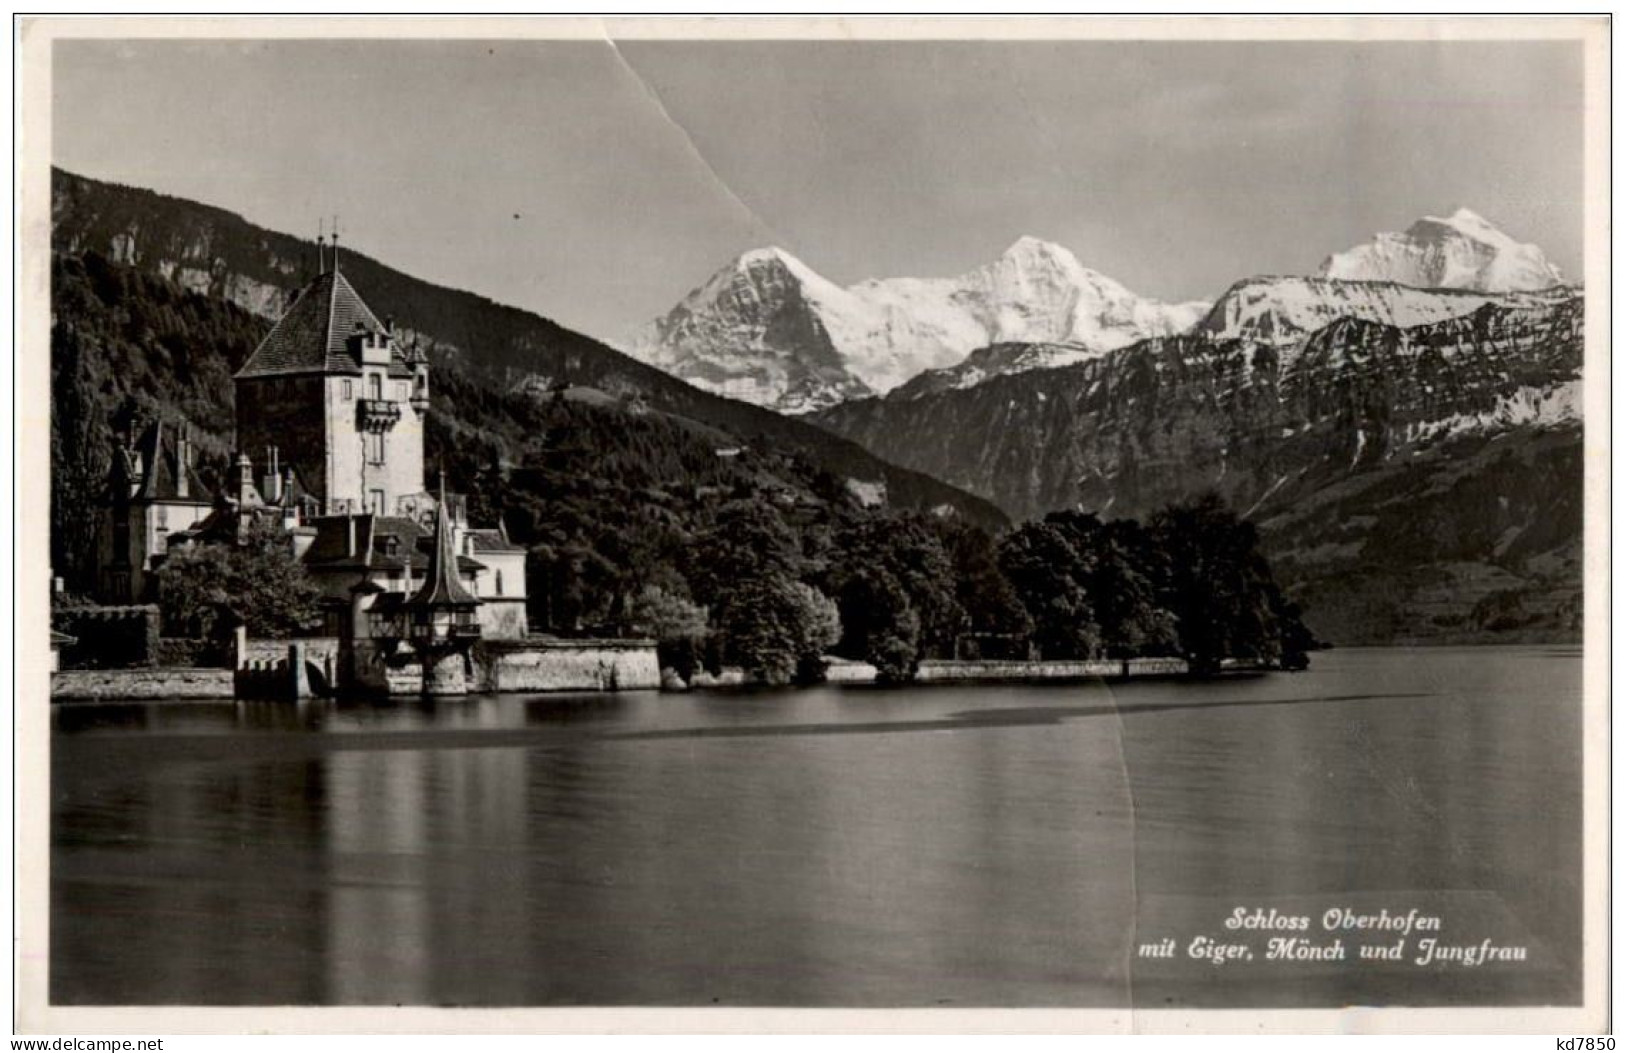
(442, 627)
(377, 414)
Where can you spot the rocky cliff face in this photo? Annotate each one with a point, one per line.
(1376, 413)
(770, 329)
(1460, 251)
(193, 247)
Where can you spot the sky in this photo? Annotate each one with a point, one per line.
(597, 183)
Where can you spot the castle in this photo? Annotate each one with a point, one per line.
(335, 407)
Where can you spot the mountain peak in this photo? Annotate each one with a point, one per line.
(1460, 251)
(1028, 247)
(1466, 222)
(766, 254)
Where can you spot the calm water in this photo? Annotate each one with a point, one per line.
(981, 846)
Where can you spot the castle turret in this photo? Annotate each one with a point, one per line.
(440, 617)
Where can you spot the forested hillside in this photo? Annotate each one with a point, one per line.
(207, 250)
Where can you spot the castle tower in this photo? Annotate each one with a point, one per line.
(341, 402)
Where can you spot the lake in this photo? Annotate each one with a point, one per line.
(987, 845)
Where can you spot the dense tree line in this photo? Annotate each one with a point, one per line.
(640, 525)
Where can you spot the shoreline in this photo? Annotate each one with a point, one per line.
(182, 685)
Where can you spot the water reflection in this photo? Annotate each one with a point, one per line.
(966, 846)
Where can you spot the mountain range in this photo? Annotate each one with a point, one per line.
(769, 329)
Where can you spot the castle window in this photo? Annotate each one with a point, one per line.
(499, 583)
(375, 447)
(400, 390)
(163, 518)
(375, 386)
(349, 390)
(377, 501)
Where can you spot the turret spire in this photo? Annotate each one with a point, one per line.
(441, 584)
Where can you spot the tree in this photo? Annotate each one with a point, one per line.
(678, 626)
(880, 626)
(1296, 639)
(749, 540)
(778, 629)
(986, 595)
(79, 463)
(897, 593)
(1119, 576)
(1220, 588)
(256, 581)
(1048, 574)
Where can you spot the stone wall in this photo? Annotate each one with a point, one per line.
(140, 684)
(262, 670)
(565, 665)
(109, 637)
(1156, 667)
(729, 676)
(846, 671)
(945, 671)
(318, 649)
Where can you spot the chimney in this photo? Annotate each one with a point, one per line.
(245, 481)
(273, 477)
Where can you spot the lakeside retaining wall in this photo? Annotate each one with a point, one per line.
(846, 671)
(169, 684)
(534, 665)
(944, 671)
(565, 665)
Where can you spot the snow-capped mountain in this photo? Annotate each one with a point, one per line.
(770, 329)
(1282, 310)
(1460, 251)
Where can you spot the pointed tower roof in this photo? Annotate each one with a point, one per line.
(314, 336)
(162, 466)
(441, 587)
